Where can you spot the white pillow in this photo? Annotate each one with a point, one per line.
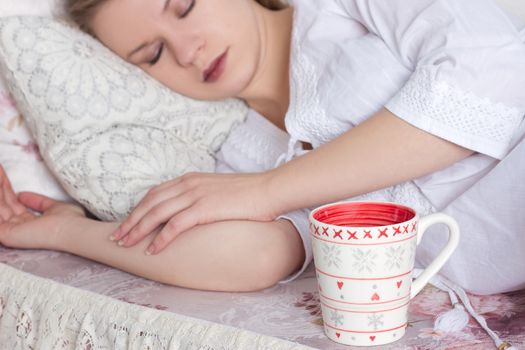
(19, 154)
(29, 7)
(106, 129)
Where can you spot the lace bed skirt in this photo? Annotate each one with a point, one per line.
(36, 313)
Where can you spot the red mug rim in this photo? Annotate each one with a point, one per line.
(369, 214)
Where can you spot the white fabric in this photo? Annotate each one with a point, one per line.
(107, 130)
(452, 68)
(457, 318)
(515, 9)
(28, 7)
(491, 254)
(56, 316)
(19, 153)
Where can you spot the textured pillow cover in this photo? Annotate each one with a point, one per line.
(107, 130)
(19, 154)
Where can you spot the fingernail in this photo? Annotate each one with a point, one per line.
(121, 242)
(149, 251)
(116, 234)
(112, 238)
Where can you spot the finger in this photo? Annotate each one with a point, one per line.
(10, 197)
(36, 201)
(12, 201)
(150, 201)
(173, 228)
(156, 217)
(165, 185)
(184, 178)
(5, 211)
(3, 174)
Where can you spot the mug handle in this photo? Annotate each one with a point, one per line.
(441, 259)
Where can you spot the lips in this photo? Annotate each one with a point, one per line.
(215, 69)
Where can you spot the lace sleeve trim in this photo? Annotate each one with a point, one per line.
(458, 116)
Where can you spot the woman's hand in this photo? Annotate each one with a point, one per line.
(20, 228)
(193, 199)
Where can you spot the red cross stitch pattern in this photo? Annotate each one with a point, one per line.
(382, 233)
(397, 230)
(352, 235)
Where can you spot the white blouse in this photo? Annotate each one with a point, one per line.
(455, 69)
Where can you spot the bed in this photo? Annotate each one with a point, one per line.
(53, 300)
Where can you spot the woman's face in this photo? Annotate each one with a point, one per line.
(205, 49)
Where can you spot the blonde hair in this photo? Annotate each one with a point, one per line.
(81, 12)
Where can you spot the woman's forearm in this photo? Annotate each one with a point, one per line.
(225, 256)
(380, 152)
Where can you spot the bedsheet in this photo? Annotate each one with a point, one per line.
(285, 316)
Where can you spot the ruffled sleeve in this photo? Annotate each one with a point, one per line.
(468, 63)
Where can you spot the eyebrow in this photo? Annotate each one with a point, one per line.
(164, 8)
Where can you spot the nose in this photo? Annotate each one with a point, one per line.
(187, 49)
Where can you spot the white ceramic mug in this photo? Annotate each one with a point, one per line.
(364, 254)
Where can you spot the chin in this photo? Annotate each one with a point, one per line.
(242, 85)
(231, 90)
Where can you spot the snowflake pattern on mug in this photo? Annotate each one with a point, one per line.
(337, 318)
(332, 255)
(375, 321)
(364, 259)
(394, 257)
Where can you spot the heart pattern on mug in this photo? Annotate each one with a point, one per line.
(375, 297)
(337, 335)
(399, 283)
(340, 285)
(372, 337)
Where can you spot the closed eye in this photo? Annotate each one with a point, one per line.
(157, 56)
(188, 10)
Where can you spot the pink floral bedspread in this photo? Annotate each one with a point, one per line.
(288, 311)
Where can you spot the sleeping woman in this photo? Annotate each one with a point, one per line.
(412, 101)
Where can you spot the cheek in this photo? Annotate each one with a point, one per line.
(173, 80)
(251, 56)
(244, 54)
(171, 74)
